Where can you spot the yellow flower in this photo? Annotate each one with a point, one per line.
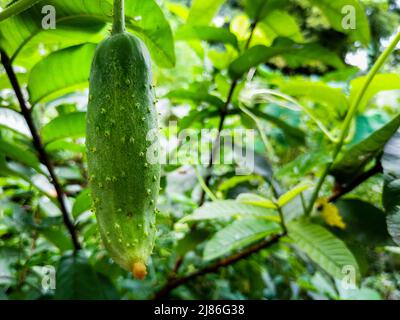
(330, 213)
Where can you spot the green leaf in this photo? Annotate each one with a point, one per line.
(61, 72)
(291, 194)
(70, 125)
(62, 145)
(57, 237)
(292, 132)
(335, 13)
(381, 82)
(329, 252)
(296, 55)
(365, 223)
(80, 21)
(258, 9)
(20, 154)
(82, 203)
(191, 240)
(15, 121)
(206, 33)
(195, 96)
(354, 160)
(77, 280)
(239, 234)
(16, 7)
(22, 78)
(279, 23)
(318, 92)
(202, 11)
(146, 19)
(252, 58)
(235, 180)
(228, 209)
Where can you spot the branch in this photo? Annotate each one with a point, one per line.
(342, 190)
(175, 282)
(222, 116)
(37, 143)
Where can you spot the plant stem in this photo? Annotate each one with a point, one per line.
(17, 7)
(222, 117)
(176, 282)
(119, 17)
(350, 114)
(37, 143)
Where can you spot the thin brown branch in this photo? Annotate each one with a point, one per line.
(342, 190)
(178, 281)
(222, 116)
(37, 143)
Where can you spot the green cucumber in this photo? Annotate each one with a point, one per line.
(121, 113)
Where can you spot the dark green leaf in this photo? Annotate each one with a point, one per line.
(191, 240)
(354, 160)
(76, 279)
(237, 235)
(206, 33)
(296, 55)
(364, 222)
(258, 9)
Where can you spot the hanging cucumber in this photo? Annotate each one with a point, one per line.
(120, 115)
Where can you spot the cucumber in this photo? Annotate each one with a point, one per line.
(124, 184)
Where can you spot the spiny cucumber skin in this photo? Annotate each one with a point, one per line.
(120, 114)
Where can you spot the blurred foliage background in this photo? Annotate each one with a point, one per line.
(285, 68)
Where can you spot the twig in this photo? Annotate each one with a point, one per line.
(37, 143)
(175, 282)
(222, 116)
(343, 190)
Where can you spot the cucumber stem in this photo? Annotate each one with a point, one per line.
(119, 17)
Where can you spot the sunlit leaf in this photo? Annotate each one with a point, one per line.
(80, 21)
(339, 11)
(380, 83)
(291, 194)
(70, 125)
(61, 72)
(254, 199)
(202, 11)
